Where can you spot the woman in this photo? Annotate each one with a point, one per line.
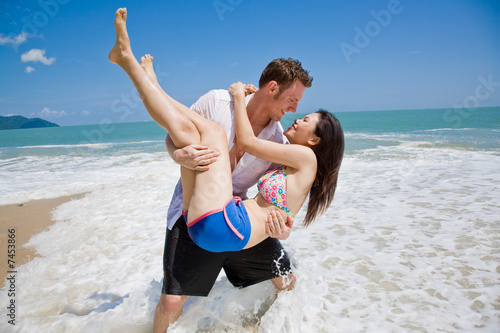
(220, 222)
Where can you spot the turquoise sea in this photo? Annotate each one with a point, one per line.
(472, 129)
(411, 242)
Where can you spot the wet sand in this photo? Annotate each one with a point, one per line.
(27, 219)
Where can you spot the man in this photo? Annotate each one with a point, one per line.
(192, 271)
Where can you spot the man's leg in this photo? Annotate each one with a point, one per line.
(265, 261)
(167, 311)
(284, 282)
(187, 270)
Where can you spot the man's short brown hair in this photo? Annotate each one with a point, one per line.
(285, 72)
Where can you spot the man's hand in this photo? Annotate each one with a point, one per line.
(276, 227)
(195, 157)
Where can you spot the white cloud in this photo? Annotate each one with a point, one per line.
(85, 113)
(37, 55)
(16, 41)
(47, 113)
(29, 69)
(191, 63)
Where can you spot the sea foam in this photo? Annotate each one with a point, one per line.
(410, 244)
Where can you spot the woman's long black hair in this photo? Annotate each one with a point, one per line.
(329, 153)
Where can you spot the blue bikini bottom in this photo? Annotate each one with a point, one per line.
(221, 230)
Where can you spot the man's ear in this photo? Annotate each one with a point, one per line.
(272, 87)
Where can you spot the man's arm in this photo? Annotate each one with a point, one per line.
(276, 227)
(193, 157)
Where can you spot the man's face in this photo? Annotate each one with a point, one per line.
(286, 101)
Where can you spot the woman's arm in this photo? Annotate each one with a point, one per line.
(295, 156)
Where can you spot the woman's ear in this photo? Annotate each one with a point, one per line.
(314, 141)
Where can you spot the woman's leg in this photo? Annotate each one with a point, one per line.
(211, 189)
(159, 105)
(212, 136)
(205, 191)
(187, 176)
(147, 65)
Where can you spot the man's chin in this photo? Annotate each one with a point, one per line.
(276, 118)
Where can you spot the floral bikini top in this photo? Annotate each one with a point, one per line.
(272, 187)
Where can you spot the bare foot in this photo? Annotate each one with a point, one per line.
(147, 65)
(121, 50)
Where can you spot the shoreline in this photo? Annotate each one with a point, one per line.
(28, 219)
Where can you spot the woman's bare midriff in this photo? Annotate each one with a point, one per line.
(258, 210)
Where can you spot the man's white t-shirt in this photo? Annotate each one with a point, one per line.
(217, 106)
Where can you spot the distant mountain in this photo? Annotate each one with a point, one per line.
(17, 122)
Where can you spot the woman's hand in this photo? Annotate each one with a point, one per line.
(239, 89)
(250, 89)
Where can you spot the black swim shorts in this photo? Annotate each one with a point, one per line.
(190, 270)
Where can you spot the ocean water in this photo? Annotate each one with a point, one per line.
(411, 242)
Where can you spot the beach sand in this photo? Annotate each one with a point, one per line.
(27, 219)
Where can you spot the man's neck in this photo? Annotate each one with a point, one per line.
(257, 115)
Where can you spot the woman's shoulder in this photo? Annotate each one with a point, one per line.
(304, 154)
(308, 162)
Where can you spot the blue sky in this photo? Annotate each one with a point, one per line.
(363, 55)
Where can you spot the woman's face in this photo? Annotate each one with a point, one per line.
(303, 129)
